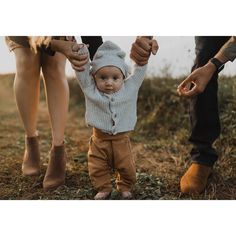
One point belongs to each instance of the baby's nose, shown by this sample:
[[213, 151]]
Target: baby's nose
[[109, 82]]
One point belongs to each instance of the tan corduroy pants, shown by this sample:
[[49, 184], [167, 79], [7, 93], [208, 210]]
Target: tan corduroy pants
[[108, 152]]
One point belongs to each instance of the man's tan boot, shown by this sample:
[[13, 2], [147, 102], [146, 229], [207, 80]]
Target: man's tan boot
[[56, 170], [194, 181], [31, 159]]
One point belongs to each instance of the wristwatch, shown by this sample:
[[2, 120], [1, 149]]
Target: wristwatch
[[218, 64]]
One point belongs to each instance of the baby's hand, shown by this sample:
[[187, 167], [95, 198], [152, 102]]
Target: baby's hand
[[81, 56]]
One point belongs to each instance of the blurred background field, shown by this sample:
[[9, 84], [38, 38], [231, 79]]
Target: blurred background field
[[160, 144]]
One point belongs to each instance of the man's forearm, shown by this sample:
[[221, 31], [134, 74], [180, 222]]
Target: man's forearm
[[228, 51]]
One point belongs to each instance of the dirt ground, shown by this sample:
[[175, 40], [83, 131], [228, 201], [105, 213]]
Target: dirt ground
[[160, 163]]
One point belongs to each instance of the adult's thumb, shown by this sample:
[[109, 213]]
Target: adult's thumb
[[155, 47]]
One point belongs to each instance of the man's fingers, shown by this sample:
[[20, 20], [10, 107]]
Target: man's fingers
[[137, 56], [190, 93], [144, 43], [140, 50], [147, 45], [187, 82], [140, 60], [185, 88], [188, 90]]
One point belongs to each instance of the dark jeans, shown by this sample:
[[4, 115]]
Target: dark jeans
[[204, 114], [94, 42]]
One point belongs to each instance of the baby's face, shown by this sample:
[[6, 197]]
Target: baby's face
[[109, 79]]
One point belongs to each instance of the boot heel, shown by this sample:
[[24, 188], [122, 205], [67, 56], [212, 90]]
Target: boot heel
[[55, 174], [31, 159]]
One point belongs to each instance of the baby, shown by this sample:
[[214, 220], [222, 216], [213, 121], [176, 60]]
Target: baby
[[111, 100]]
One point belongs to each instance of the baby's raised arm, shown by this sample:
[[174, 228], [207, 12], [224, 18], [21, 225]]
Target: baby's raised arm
[[83, 77]]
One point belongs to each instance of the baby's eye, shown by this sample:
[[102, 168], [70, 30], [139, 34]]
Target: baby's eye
[[115, 78], [103, 78]]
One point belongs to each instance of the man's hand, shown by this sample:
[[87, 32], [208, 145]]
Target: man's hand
[[197, 81], [142, 49]]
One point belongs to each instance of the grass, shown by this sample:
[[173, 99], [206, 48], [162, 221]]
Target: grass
[[159, 143]]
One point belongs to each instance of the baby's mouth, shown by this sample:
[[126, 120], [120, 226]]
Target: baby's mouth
[[109, 89]]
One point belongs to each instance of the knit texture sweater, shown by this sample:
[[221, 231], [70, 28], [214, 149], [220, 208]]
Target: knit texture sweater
[[111, 113]]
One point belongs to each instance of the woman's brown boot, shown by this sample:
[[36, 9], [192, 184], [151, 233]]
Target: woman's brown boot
[[55, 174], [31, 159]]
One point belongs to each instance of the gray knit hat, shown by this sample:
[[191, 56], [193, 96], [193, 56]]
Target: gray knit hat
[[109, 54]]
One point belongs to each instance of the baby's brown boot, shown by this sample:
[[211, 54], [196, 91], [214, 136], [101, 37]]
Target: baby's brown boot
[[194, 181], [55, 174], [102, 195], [31, 159], [126, 195]]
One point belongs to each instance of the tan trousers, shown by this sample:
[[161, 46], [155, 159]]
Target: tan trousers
[[108, 152]]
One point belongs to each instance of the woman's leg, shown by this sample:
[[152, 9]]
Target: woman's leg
[[27, 89], [57, 92]]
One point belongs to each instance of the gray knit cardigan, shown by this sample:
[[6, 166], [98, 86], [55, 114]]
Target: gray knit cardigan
[[111, 113]]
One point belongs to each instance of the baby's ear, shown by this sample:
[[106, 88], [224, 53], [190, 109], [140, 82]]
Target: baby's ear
[[121, 54]]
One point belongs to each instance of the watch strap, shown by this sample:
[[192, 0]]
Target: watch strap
[[217, 63]]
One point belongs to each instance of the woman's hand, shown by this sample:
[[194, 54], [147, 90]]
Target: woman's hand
[[70, 50]]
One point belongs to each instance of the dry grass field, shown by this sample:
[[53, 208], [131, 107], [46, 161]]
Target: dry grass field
[[160, 145]]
